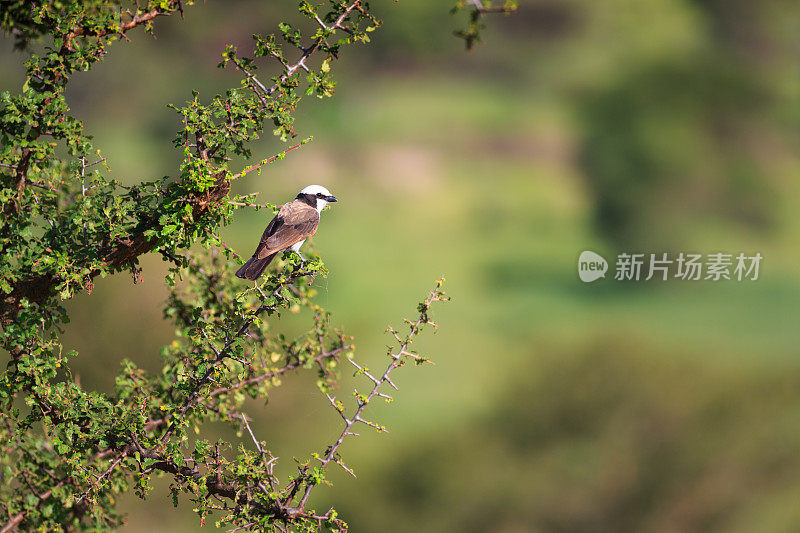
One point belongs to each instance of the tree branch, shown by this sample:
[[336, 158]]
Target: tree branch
[[398, 358], [37, 289], [136, 20]]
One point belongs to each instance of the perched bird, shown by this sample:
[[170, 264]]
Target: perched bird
[[295, 222]]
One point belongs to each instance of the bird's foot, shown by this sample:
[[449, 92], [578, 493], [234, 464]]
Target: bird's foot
[[302, 261]]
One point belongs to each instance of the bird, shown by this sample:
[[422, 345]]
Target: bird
[[295, 222]]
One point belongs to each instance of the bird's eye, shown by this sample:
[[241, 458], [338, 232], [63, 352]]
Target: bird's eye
[[320, 195]]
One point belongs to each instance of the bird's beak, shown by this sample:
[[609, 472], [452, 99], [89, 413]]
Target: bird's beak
[[331, 199]]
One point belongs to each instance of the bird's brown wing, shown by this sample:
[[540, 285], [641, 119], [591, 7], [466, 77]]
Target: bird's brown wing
[[294, 222]]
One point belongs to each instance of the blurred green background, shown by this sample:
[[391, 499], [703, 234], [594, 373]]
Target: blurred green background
[[624, 125]]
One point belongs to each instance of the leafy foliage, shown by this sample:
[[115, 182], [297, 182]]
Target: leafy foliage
[[67, 451]]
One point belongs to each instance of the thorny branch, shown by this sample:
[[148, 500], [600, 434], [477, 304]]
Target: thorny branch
[[135, 20], [289, 70], [224, 353], [270, 160], [284, 509], [398, 358], [37, 288], [162, 462], [97, 445]]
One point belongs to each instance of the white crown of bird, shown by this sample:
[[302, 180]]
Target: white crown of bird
[[316, 189]]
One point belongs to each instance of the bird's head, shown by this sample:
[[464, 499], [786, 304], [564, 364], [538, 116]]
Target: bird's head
[[316, 196]]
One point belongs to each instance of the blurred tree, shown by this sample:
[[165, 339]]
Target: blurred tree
[[609, 438], [67, 451], [682, 134], [664, 143]]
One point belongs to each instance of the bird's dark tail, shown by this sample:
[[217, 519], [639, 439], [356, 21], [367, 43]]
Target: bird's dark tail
[[254, 267]]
